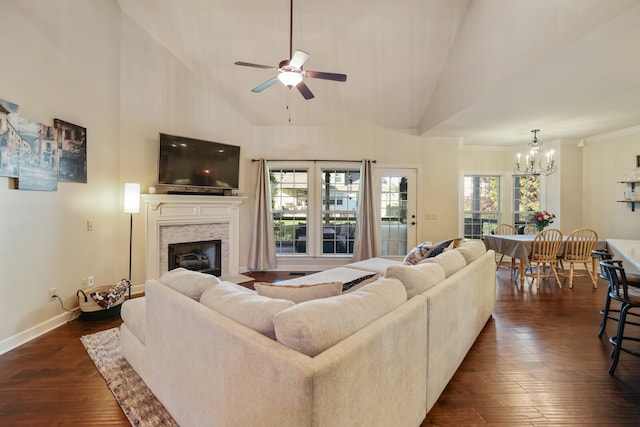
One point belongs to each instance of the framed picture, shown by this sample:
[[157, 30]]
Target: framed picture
[[638, 161]]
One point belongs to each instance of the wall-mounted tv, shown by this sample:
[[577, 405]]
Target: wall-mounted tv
[[194, 165]]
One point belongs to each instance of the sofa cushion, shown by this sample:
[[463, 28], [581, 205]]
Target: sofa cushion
[[416, 278], [314, 326], [133, 314], [417, 254], [376, 265], [471, 250], [245, 306], [450, 261], [188, 282], [299, 293]]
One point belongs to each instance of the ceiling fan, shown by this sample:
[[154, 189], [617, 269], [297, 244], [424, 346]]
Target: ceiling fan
[[290, 71]]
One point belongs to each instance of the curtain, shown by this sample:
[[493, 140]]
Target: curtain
[[262, 254], [367, 244]]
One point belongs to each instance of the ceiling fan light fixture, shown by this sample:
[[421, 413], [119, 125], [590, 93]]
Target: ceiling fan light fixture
[[290, 78]]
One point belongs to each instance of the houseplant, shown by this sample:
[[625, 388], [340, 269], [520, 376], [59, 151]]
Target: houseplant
[[542, 219]]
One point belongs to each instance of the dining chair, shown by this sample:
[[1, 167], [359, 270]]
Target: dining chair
[[505, 229], [544, 251], [578, 250], [629, 298]]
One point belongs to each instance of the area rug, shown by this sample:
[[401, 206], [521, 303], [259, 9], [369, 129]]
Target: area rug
[[138, 403]]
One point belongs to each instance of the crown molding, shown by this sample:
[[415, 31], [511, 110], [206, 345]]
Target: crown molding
[[614, 134]]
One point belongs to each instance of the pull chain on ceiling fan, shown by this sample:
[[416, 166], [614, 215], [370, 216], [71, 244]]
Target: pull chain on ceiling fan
[[290, 71]]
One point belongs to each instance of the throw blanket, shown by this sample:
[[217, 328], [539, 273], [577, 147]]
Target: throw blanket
[[106, 299]]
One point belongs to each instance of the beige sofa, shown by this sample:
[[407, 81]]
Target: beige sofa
[[370, 356]]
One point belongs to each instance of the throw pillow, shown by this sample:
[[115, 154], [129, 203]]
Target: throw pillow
[[299, 293], [354, 285], [439, 247], [416, 278], [245, 306], [418, 253], [314, 326], [189, 283]]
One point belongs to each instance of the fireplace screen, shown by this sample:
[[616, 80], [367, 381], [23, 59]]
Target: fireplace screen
[[204, 257]]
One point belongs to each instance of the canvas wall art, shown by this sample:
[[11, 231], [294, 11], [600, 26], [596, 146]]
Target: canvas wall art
[[38, 155], [9, 140], [72, 145]]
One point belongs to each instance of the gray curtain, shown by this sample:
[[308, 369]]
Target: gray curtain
[[367, 244], [263, 246]]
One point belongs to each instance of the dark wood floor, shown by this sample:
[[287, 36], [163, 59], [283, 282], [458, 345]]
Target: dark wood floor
[[538, 362]]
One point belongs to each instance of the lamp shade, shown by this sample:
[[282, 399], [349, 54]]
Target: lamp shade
[[131, 197], [290, 78]]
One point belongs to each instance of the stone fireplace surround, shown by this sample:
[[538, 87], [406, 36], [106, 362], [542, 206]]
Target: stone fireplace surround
[[173, 218]]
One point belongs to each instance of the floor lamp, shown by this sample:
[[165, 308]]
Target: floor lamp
[[131, 206]]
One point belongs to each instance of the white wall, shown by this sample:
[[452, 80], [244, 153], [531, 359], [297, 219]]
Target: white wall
[[159, 94], [60, 60], [607, 158]]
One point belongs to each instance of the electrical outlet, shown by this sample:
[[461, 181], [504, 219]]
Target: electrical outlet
[[90, 281], [52, 293], [83, 281]]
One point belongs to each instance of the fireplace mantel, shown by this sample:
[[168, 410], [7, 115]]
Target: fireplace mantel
[[218, 213]]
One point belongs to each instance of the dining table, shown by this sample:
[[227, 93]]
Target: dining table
[[519, 246]]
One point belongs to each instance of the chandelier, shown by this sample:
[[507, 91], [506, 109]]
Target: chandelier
[[545, 165]]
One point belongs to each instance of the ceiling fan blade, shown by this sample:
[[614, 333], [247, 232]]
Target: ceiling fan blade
[[299, 57], [264, 85], [326, 76], [249, 64], [304, 90]]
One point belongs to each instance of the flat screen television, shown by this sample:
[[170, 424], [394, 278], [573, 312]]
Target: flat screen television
[[194, 165]]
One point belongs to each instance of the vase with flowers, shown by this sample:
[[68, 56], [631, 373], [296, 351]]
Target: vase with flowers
[[542, 219]]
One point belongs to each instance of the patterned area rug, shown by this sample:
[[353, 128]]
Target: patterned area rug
[[136, 400]]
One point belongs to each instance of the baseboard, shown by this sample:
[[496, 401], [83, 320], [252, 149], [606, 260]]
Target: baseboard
[[137, 289], [17, 340]]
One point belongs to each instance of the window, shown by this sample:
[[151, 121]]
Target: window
[[289, 198], [526, 198], [339, 190], [481, 205], [314, 209]]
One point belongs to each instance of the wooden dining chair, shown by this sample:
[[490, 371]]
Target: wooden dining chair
[[629, 298], [505, 229], [544, 252], [578, 250]]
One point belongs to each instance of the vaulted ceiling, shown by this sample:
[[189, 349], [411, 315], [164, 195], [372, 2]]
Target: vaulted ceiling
[[483, 71]]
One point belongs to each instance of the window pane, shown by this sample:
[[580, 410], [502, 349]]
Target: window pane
[[526, 198], [289, 198], [481, 203], [339, 209], [393, 212]]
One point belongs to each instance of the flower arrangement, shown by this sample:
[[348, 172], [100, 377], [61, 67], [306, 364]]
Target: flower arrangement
[[542, 219]]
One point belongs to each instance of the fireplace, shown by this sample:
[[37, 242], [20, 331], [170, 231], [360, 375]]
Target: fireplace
[[204, 256], [182, 219]]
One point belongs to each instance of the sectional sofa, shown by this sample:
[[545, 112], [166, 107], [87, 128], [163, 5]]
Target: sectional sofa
[[377, 354]]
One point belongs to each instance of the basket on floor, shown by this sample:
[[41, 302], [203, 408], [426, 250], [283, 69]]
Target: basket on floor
[[102, 302]]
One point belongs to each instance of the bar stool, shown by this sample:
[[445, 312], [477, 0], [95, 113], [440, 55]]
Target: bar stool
[[602, 255], [629, 299]]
